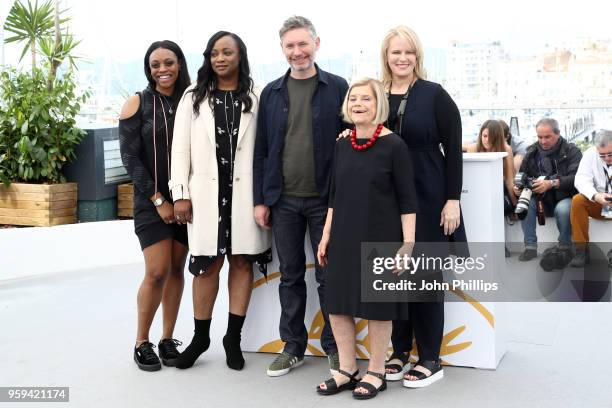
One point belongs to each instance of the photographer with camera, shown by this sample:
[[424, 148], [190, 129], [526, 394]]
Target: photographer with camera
[[594, 198], [550, 165]]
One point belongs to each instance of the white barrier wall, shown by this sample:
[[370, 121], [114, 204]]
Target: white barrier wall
[[483, 214], [34, 251]]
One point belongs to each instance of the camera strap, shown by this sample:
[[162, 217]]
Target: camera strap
[[401, 109], [608, 180]]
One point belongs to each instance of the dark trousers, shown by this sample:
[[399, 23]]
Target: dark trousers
[[290, 217], [427, 323]]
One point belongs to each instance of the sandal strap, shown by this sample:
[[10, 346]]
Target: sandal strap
[[377, 375], [331, 384], [431, 365], [403, 357], [415, 373], [348, 375], [368, 386]]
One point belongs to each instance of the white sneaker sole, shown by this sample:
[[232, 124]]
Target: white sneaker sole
[[400, 374], [425, 381], [278, 373]]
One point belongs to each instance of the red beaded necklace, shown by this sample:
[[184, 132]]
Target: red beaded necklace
[[369, 143]]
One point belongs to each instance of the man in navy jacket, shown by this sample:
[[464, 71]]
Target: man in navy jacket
[[298, 123], [556, 159]]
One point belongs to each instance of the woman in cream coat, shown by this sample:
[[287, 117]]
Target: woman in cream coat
[[211, 184]]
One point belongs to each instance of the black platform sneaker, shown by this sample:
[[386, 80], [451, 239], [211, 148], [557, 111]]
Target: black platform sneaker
[[146, 358], [168, 352]]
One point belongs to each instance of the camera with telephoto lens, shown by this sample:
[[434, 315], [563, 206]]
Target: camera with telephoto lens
[[522, 181]]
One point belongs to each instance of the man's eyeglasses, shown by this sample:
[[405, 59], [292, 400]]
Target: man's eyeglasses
[[605, 155]]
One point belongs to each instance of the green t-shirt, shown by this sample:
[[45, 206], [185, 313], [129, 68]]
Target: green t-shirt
[[298, 156]]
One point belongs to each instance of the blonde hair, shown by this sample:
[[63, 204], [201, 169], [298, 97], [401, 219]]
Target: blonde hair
[[382, 104], [407, 34]]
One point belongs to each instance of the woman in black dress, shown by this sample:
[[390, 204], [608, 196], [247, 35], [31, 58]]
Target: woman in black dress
[[427, 119], [212, 164], [372, 199], [145, 135]]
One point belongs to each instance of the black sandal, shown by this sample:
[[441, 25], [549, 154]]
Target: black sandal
[[372, 390], [423, 380], [331, 387], [399, 369]]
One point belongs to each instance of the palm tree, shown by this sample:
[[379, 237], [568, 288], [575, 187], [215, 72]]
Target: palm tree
[[29, 24], [59, 47]]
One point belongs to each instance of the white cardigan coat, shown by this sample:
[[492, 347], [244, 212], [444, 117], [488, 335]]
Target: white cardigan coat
[[194, 176]]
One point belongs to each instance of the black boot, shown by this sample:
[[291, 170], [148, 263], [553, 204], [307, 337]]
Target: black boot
[[198, 345], [231, 342]]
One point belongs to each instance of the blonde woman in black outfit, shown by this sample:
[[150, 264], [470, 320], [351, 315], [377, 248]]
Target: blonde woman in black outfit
[[145, 134], [427, 119]]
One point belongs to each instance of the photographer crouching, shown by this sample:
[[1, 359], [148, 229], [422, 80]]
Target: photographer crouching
[[549, 165]]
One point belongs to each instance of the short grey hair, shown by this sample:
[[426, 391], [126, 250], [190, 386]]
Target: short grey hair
[[294, 22], [554, 125], [382, 103], [603, 138]]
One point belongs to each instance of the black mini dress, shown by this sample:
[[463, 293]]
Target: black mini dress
[[145, 141]]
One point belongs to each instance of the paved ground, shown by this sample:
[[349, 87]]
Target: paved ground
[[76, 329]]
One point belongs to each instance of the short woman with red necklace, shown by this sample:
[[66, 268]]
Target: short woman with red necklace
[[372, 199]]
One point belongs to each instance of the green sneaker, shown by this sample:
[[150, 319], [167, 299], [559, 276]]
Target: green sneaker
[[283, 363], [334, 362]]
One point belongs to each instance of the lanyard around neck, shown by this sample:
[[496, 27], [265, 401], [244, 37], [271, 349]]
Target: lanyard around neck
[[401, 109], [608, 180]]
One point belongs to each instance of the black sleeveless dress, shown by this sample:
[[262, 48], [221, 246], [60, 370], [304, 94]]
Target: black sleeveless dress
[[145, 140]]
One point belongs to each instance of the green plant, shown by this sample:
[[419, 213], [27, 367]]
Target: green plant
[[38, 132], [56, 51], [37, 125]]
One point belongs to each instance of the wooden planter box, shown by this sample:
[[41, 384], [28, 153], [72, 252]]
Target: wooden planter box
[[41, 205], [125, 200]]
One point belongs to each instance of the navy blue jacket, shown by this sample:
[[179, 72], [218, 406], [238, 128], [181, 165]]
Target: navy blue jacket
[[272, 127]]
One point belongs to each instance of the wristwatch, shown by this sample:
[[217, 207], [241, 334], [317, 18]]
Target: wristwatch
[[159, 201]]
